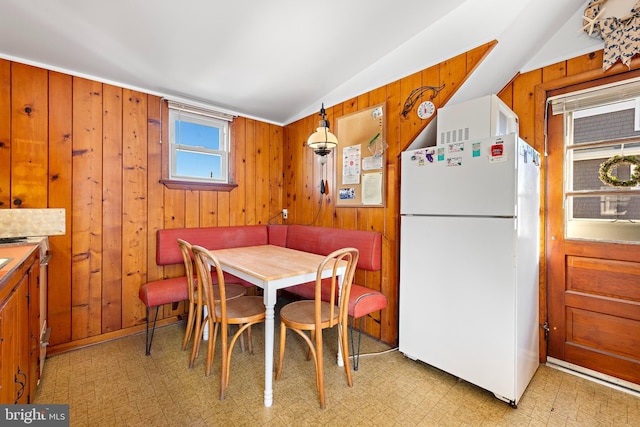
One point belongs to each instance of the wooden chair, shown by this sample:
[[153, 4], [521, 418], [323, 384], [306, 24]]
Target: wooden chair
[[243, 311], [316, 315], [196, 300]]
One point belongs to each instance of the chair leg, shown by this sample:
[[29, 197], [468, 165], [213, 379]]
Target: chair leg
[[189, 330], [312, 337], [356, 359], [149, 340], [224, 342], [211, 344], [238, 334], [344, 344], [197, 339], [283, 339], [319, 361]]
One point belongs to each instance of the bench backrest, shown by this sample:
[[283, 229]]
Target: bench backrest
[[168, 251], [324, 240], [277, 234]]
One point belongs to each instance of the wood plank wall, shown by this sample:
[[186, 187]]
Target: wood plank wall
[[303, 174], [94, 149]]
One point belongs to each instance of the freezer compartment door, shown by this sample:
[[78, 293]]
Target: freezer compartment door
[[465, 178], [457, 298]]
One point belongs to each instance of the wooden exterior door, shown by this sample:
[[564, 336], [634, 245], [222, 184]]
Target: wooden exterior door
[[593, 287]]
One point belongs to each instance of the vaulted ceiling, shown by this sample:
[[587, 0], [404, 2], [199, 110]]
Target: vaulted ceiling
[[277, 60]]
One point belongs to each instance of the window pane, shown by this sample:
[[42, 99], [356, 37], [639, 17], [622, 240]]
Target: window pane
[[197, 135], [606, 126], [607, 206], [609, 218], [595, 210], [198, 165], [586, 168]]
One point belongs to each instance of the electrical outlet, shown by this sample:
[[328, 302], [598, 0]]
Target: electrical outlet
[[285, 213]]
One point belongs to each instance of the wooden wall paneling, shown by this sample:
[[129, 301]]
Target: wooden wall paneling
[[5, 134], [303, 170], [308, 168], [327, 203], [453, 73], [288, 177], [391, 224], [238, 163], [134, 205], [588, 62], [112, 209], [408, 127], [554, 71], [87, 209], [393, 109], [29, 146], [224, 209], [430, 77], [275, 173], [80, 130], [174, 214], [192, 208], [294, 172], [60, 196], [506, 94], [262, 178], [390, 261], [523, 103], [155, 193], [209, 208], [250, 172]]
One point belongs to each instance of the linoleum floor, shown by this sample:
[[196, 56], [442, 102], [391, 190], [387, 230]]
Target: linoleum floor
[[115, 384]]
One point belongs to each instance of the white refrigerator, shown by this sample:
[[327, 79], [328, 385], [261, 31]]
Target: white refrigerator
[[469, 259]]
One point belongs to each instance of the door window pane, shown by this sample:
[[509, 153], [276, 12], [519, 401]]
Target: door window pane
[[595, 210]]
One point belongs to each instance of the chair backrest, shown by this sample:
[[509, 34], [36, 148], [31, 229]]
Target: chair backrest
[[204, 261], [336, 259], [185, 248]]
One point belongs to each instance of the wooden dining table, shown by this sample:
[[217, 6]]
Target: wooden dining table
[[271, 268]]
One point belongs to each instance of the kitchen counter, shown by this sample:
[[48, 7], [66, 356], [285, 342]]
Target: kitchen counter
[[17, 254]]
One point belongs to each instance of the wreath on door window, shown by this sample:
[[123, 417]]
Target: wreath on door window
[[613, 181], [621, 35]]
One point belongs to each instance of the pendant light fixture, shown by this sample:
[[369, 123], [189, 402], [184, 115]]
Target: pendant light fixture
[[322, 141]]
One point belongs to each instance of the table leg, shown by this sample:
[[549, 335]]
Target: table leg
[[269, 302]]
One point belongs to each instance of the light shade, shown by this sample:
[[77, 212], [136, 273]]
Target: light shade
[[322, 141]]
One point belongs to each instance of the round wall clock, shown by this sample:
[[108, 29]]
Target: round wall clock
[[426, 110]]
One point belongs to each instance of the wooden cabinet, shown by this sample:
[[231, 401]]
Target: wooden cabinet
[[19, 325]]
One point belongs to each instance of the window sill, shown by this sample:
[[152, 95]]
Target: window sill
[[195, 185]]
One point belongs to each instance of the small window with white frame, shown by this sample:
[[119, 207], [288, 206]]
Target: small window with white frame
[[198, 144]]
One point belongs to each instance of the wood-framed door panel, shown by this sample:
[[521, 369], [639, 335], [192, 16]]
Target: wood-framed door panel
[[593, 293]]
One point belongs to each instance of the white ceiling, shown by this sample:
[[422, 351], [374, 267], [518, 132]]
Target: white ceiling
[[277, 60]]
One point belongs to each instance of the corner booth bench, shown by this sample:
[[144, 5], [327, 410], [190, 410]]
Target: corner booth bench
[[318, 240]]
